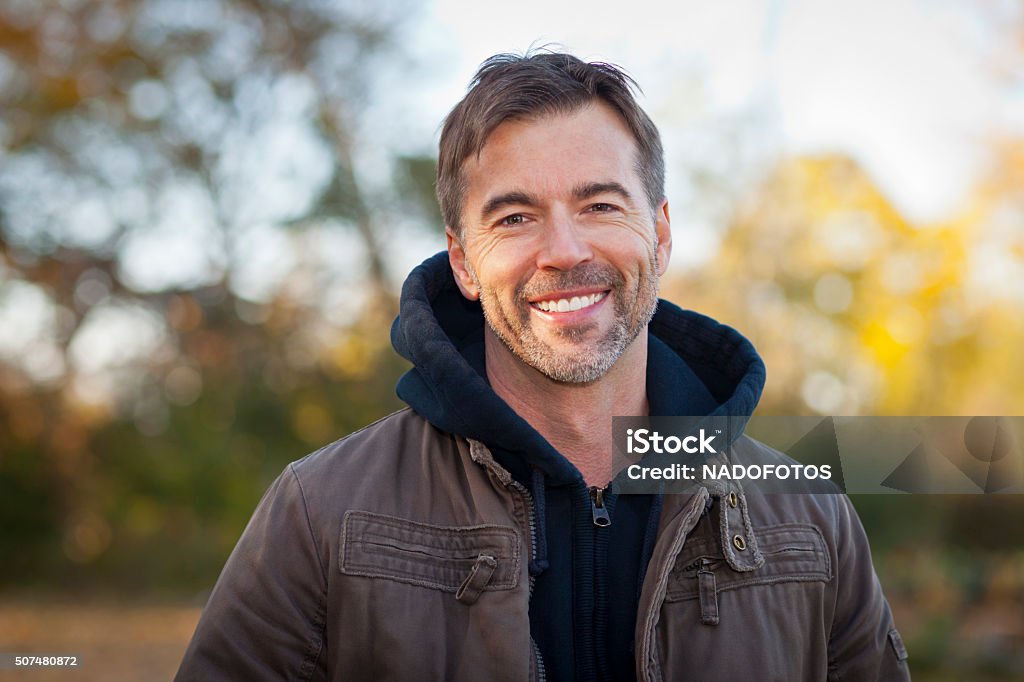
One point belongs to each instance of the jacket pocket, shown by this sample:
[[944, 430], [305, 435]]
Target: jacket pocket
[[792, 552], [474, 558]]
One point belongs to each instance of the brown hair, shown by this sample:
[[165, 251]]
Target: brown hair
[[514, 87]]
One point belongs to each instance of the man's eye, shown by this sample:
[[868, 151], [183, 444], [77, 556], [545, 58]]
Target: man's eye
[[601, 208], [514, 219]]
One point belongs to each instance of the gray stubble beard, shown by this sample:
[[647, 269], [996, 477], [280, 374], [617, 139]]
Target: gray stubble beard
[[582, 365]]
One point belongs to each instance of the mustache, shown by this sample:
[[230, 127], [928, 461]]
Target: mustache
[[585, 275]]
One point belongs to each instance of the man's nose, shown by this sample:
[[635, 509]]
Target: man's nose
[[564, 245]]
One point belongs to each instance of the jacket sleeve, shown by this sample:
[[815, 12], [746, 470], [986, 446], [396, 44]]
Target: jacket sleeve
[[864, 643], [265, 617]]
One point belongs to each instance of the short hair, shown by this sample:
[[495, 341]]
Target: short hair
[[522, 87]]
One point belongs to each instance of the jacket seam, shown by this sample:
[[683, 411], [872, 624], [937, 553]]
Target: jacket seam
[[647, 665], [309, 523], [833, 665], [316, 643], [318, 623]]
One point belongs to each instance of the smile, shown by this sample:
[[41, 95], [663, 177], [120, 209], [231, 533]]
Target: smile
[[566, 305]]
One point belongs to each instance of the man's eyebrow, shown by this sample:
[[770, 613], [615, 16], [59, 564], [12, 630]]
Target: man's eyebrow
[[588, 190], [513, 198]]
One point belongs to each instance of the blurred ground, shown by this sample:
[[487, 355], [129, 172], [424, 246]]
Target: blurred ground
[[115, 641]]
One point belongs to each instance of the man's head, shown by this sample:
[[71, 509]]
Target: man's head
[[509, 87], [550, 181]]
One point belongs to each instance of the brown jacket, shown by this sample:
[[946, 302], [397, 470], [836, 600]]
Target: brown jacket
[[401, 552]]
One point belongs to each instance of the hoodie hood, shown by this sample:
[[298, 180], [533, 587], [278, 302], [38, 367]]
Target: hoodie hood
[[441, 333]]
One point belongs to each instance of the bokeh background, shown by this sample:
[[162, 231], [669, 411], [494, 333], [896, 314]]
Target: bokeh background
[[207, 208]]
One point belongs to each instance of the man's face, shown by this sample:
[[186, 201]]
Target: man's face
[[560, 243]]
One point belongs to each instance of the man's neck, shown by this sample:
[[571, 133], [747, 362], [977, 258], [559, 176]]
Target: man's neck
[[575, 418]]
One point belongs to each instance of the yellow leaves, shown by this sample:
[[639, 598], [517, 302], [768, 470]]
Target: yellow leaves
[[882, 347], [850, 304], [352, 357], [355, 353]]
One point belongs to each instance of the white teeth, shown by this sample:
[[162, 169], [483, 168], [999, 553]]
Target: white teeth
[[564, 305]]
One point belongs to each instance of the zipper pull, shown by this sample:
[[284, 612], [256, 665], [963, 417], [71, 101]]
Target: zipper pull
[[601, 518]]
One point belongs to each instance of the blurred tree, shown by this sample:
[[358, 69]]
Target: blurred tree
[[194, 278], [858, 311], [229, 112]]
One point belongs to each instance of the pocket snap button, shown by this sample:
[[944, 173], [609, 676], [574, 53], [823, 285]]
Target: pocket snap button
[[732, 499], [739, 542]]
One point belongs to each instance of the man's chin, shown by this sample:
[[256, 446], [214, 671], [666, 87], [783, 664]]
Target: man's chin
[[568, 362]]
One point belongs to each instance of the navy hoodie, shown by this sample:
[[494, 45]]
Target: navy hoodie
[[587, 577]]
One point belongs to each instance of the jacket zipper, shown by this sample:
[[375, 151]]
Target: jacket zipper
[[600, 512], [541, 673], [528, 499]]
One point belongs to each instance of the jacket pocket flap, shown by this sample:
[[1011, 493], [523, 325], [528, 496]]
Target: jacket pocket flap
[[439, 557], [792, 552]]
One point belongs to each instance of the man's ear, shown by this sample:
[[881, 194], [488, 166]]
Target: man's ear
[[663, 233], [457, 257]]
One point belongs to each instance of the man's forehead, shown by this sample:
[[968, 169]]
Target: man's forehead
[[583, 117], [587, 146]]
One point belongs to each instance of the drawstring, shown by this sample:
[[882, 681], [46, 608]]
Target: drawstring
[[540, 558]]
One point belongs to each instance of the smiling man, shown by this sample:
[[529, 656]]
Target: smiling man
[[561, 244], [478, 535]]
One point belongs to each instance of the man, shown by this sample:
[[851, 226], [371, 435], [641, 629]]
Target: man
[[475, 536]]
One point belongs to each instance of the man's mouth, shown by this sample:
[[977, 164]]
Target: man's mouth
[[567, 305]]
